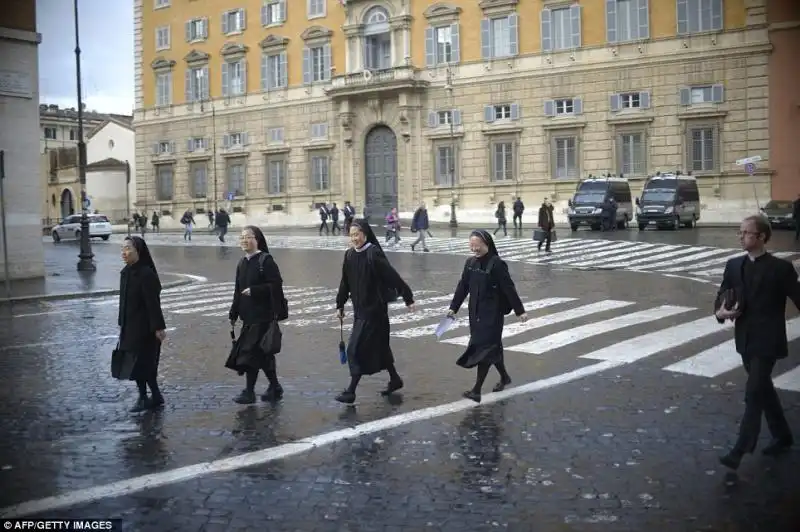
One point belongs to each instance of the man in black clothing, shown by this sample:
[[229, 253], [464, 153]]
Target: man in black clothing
[[323, 219], [335, 220], [753, 294], [518, 208], [546, 224]]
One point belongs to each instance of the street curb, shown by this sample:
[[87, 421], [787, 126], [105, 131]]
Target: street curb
[[81, 295]]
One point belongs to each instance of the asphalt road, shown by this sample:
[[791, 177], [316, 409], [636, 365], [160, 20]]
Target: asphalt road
[[620, 404]]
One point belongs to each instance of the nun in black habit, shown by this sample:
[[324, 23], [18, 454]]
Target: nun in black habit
[[141, 320], [367, 276], [492, 295], [254, 303]]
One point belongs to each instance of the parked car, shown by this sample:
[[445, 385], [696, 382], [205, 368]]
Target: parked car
[[586, 206], [779, 214], [70, 228], [669, 200]]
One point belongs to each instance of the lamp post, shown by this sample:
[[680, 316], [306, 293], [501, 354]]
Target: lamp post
[[213, 136], [85, 262], [128, 193], [449, 86]]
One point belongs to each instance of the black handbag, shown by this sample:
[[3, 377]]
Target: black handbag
[[122, 363], [271, 341]]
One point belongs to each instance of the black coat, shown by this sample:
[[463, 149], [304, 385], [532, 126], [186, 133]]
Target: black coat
[[140, 316], [486, 318], [760, 330], [546, 220]]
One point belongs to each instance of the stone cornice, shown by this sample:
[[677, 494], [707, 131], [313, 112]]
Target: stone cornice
[[442, 10], [712, 114], [162, 64], [621, 120], [275, 150], [196, 57], [498, 7], [569, 123], [232, 50], [315, 33], [274, 43], [502, 130]]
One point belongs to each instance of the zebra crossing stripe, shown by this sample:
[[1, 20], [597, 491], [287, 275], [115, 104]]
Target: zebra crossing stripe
[[608, 255], [514, 329], [705, 264], [789, 381], [647, 250], [664, 252], [604, 252], [722, 358], [576, 334], [688, 258], [416, 315], [580, 250], [649, 344]]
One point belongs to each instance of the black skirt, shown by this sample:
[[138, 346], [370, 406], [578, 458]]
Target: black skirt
[[481, 354], [146, 365], [246, 355], [368, 350]]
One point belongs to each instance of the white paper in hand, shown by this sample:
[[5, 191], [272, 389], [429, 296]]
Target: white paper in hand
[[444, 326]]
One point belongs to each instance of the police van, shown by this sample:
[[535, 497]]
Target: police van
[[586, 206], [669, 200]]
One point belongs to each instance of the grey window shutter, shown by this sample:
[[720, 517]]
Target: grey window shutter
[[644, 19], [190, 145], [514, 111], [264, 72], [225, 79], [549, 108], [326, 62], [577, 106], [188, 85], [716, 14], [455, 36], [224, 23], [685, 96], [547, 30], [456, 117], [243, 65], [205, 82], [245, 139], [206, 144], [717, 93], [575, 17], [283, 71], [188, 27], [172, 147], [644, 100], [243, 15], [513, 34], [155, 148], [264, 21], [486, 39], [205, 27], [433, 119], [614, 103], [282, 10], [226, 141], [683, 16], [488, 113], [611, 20], [306, 65], [430, 49]]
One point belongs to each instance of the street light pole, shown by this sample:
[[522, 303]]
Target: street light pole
[[449, 86], [85, 264]]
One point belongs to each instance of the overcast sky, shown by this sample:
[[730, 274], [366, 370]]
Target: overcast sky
[[106, 39]]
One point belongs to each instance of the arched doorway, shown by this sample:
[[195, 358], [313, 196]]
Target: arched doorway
[[380, 158], [67, 206]]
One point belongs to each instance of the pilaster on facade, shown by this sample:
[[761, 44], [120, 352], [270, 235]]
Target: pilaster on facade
[[756, 12], [138, 55]]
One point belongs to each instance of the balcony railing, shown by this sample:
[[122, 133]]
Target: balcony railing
[[403, 77]]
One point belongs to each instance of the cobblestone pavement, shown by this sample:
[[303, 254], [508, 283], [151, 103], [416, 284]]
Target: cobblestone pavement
[[667, 369]]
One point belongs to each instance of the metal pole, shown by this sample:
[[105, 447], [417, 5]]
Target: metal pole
[[128, 193], [453, 220], [6, 267], [85, 262], [214, 153]]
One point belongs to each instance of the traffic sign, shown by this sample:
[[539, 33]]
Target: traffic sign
[[750, 168], [749, 160], [229, 196], [87, 204]]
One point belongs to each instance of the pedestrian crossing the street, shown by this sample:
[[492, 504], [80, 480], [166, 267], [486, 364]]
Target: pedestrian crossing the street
[[618, 331], [701, 262]]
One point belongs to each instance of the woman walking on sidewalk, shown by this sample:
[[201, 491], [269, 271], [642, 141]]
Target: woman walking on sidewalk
[[141, 321], [492, 295], [371, 282], [258, 282]]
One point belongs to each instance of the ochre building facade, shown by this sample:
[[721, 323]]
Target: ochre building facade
[[271, 107]]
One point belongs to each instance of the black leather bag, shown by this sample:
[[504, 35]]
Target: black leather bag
[[122, 363], [271, 341]]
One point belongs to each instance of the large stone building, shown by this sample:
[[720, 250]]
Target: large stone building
[[19, 140], [283, 105]]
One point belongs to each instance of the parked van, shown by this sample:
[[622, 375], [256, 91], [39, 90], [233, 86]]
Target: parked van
[[669, 200], [586, 206]]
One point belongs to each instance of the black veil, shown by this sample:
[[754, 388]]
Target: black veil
[[145, 258], [487, 239], [368, 233]]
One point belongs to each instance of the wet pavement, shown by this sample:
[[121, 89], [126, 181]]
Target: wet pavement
[[617, 430]]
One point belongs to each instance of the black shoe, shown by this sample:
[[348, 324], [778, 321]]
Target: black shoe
[[469, 394], [346, 397], [500, 386], [273, 393], [731, 460], [394, 385], [412, 247], [777, 446], [157, 401], [141, 404], [247, 397], [426, 250]]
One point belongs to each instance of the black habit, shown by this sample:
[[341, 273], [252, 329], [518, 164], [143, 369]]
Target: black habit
[[760, 287], [256, 311], [486, 318], [368, 350], [140, 316]]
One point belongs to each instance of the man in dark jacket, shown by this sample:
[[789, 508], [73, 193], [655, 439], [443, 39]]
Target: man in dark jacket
[[222, 220], [335, 220], [349, 214], [546, 224], [420, 224], [518, 208], [753, 294], [323, 219]]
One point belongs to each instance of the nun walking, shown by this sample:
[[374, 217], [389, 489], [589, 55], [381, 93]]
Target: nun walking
[[258, 280], [370, 281], [141, 320], [492, 295]]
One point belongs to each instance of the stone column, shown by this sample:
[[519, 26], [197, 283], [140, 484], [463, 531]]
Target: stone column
[[756, 12]]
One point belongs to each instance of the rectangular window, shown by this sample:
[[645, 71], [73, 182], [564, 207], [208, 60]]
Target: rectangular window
[[630, 100], [164, 148], [235, 140], [565, 107], [316, 8], [502, 111], [235, 172], [275, 135], [501, 39], [445, 166], [197, 84], [562, 28], [198, 178], [444, 44], [703, 149], [233, 21], [163, 89], [276, 175], [696, 16], [164, 182], [275, 75], [320, 177], [234, 78], [627, 20], [197, 29], [378, 51], [565, 157], [502, 161], [318, 63], [162, 38], [73, 134], [701, 95], [632, 160], [444, 117], [50, 133], [160, 3], [273, 12], [197, 144], [319, 130]]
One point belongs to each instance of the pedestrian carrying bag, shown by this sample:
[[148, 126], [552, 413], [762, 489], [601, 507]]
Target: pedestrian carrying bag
[[539, 235], [389, 294], [122, 363], [271, 341], [279, 301]]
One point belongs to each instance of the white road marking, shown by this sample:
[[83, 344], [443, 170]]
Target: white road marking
[[789, 381], [82, 341]]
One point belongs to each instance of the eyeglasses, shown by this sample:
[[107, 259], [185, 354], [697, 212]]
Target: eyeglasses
[[742, 233]]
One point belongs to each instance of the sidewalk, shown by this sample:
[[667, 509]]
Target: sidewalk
[[63, 280]]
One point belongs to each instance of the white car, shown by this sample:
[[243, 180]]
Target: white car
[[70, 228]]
